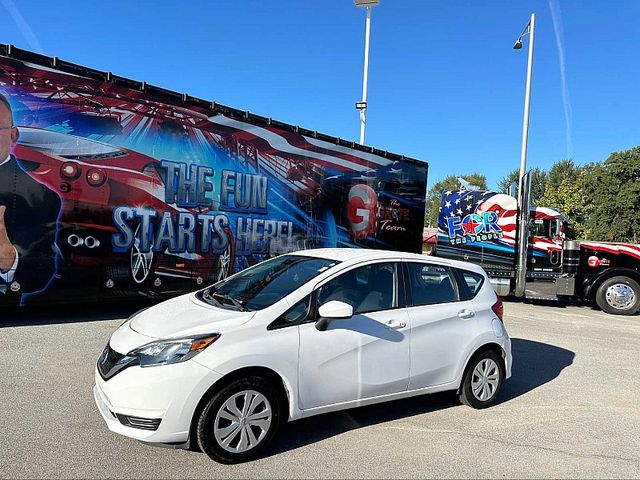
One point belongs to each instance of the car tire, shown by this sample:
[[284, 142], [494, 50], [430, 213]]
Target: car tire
[[482, 381], [619, 296], [225, 444]]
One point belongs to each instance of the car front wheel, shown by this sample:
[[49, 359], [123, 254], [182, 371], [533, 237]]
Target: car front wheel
[[239, 421], [483, 380]]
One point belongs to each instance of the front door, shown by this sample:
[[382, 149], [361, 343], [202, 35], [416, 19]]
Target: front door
[[364, 356]]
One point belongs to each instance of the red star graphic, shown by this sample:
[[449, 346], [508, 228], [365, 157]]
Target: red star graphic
[[470, 226]]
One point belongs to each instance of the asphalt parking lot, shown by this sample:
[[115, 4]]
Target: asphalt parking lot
[[571, 409]]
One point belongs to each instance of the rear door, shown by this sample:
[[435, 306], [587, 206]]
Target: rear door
[[441, 324]]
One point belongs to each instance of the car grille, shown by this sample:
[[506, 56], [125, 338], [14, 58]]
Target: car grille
[[139, 422], [111, 362]]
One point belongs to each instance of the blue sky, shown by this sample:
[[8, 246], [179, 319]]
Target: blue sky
[[445, 85]]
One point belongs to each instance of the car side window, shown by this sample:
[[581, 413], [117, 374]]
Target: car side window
[[469, 283], [295, 315], [430, 284], [367, 289]]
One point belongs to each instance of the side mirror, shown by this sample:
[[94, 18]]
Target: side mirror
[[333, 310]]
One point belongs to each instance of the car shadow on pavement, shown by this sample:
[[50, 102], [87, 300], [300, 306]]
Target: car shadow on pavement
[[535, 364], [110, 309], [314, 429]]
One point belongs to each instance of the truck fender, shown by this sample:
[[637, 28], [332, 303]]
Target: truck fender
[[591, 284]]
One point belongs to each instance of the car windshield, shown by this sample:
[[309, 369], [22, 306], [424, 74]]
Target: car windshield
[[266, 283], [66, 146]]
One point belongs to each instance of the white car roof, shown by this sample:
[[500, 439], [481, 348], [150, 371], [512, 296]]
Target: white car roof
[[355, 255]]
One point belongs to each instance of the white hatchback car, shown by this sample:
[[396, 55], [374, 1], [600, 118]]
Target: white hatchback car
[[299, 335]]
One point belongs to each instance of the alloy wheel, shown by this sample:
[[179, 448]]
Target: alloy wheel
[[223, 264], [140, 261]]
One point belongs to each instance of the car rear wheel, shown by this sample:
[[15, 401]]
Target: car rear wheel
[[239, 421], [483, 380], [619, 296]]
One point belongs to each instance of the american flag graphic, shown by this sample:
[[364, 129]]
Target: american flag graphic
[[614, 248], [461, 203]]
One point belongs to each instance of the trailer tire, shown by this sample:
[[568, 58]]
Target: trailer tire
[[619, 296]]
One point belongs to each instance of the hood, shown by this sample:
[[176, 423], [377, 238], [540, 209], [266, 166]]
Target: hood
[[630, 249], [185, 315]]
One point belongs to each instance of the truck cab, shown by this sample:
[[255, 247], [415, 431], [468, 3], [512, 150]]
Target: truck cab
[[482, 227]]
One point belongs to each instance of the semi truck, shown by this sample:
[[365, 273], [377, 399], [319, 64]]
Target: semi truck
[[116, 187], [482, 227]]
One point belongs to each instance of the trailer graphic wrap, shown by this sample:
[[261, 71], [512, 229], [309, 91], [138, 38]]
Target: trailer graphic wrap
[[161, 193]]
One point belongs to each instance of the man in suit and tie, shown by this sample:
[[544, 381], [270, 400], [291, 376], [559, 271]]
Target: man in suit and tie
[[28, 221]]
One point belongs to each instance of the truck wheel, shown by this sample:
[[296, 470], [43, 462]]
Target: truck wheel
[[240, 420], [619, 296]]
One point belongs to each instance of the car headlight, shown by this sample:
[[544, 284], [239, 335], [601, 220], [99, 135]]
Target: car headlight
[[165, 352]]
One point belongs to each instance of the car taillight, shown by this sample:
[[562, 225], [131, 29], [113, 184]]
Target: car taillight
[[498, 308], [70, 170], [96, 177]]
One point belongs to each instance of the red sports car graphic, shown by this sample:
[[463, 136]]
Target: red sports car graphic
[[92, 178]]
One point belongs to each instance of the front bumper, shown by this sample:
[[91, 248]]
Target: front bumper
[[169, 393]]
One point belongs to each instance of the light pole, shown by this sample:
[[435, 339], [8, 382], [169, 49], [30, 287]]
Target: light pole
[[362, 104], [523, 195]]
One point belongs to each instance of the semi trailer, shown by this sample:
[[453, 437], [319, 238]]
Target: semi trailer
[[153, 192]]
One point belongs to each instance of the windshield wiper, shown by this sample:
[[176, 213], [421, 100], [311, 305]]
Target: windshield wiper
[[207, 297], [238, 306]]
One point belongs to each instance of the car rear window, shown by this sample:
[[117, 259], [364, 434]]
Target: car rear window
[[430, 284], [469, 283]]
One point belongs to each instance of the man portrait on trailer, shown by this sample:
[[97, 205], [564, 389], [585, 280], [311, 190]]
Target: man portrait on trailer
[[28, 221]]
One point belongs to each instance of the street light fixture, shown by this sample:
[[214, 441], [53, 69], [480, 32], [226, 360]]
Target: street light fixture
[[523, 203], [362, 105]]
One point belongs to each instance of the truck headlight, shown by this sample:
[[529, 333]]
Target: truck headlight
[[175, 350]]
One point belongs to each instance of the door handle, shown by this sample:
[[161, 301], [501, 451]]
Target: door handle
[[395, 324], [466, 314]]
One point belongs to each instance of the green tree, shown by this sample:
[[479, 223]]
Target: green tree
[[565, 192], [508, 180], [448, 183], [613, 192], [561, 171], [538, 181]]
